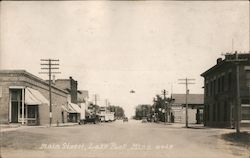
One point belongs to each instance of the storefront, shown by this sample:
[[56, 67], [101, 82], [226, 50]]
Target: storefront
[[24, 99], [74, 112], [24, 105]]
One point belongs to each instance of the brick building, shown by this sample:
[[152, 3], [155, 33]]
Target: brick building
[[70, 85], [220, 92], [24, 98]]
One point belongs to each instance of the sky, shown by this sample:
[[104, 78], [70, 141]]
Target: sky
[[111, 47]]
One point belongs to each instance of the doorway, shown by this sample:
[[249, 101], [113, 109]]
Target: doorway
[[15, 105], [14, 112]]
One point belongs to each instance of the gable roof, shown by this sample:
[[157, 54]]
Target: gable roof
[[193, 99]]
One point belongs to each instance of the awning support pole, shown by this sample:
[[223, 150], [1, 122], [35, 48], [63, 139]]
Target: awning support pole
[[22, 106]]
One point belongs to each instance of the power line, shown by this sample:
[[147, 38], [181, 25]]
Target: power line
[[47, 66], [187, 82]]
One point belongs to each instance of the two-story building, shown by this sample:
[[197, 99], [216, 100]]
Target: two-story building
[[220, 91], [70, 85]]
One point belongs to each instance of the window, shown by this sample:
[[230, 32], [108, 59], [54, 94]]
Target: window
[[225, 111], [245, 112], [206, 89], [218, 80], [207, 113], [229, 81], [245, 101], [218, 112], [214, 113], [214, 88], [223, 83], [211, 88]]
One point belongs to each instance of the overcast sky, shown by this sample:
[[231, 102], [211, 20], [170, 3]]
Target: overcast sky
[[113, 47]]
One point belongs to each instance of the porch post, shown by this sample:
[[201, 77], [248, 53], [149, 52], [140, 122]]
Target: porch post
[[22, 106], [10, 113]]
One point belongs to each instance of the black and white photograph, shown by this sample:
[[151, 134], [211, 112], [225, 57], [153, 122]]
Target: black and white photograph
[[125, 79]]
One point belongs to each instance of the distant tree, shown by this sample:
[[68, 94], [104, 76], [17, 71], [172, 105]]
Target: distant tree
[[159, 107], [119, 112], [142, 111]]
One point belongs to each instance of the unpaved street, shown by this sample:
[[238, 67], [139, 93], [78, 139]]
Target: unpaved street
[[118, 139]]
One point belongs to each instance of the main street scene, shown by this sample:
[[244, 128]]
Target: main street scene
[[124, 79]]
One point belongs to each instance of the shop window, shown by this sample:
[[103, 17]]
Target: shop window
[[245, 112]]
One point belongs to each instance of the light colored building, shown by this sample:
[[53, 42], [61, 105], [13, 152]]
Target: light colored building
[[195, 108], [83, 102], [24, 99]]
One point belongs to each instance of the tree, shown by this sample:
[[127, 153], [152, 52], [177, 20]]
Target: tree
[[119, 112], [143, 111]]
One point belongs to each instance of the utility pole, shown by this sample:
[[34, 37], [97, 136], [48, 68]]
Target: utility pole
[[48, 65], [95, 99], [237, 61], [187, 92], [106, 102], [165, 105]]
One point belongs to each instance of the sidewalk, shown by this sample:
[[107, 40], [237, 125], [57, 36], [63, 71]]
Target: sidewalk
[[183, 125], [14, 127]]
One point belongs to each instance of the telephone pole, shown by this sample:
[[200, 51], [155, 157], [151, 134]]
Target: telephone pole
[[48, 65], [187, 82], [95, 95], [236, 62], [165, 105]]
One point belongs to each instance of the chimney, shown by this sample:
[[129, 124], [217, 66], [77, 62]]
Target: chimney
[[219, 60]]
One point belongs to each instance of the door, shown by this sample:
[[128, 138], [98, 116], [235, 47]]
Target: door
[[62, 117], [14, 112]]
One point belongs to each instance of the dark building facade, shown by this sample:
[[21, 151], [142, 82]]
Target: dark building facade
[[70, 85], [220, 91]]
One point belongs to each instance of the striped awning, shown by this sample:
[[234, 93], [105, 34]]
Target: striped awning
[[34, 97], [74, 108]]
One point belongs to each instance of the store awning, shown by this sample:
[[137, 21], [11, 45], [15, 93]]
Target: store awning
[[74, 108], [34, 97]]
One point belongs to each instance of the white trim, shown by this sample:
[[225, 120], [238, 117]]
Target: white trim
[[245, 121], [16, 87], [246, 68], [245, 105], [10, 106]]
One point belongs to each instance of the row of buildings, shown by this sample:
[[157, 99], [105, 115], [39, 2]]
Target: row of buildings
[[24, 98]]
